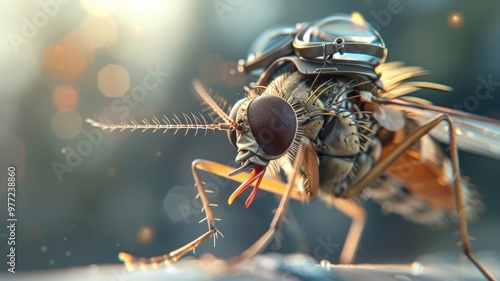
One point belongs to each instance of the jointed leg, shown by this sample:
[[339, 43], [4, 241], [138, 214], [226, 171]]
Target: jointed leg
[[459, 203], [259, 245], [358, 215], [270, 185], [132, 262], [384, 163], [274, 186], [349, 208]]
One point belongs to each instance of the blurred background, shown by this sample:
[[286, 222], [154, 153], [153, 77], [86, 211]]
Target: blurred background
[[83, 195]]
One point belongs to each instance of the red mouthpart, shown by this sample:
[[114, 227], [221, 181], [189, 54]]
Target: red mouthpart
[[256, 175]]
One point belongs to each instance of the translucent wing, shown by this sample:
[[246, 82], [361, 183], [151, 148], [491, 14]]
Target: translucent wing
[[476, 134]]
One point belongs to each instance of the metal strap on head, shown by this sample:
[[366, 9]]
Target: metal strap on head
[[336, 44], [323, 50]]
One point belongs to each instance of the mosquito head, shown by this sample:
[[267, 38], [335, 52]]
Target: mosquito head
[[266, 127], [263, 128]]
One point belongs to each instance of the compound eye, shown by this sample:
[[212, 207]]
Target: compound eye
[[273, 124]]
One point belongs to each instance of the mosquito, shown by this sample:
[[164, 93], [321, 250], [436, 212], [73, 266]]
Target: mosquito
[[333, 115]]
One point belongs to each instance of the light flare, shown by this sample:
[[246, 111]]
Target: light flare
[[455, 19], [357, 19]]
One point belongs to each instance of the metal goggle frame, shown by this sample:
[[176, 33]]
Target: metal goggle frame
[[335, 44]]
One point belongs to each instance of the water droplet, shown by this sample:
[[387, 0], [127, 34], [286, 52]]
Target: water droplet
[[52, 262], [44, 248], [158, 153], [74, 224], [325, 264], [68, 253], [117, 244], [65, 238]]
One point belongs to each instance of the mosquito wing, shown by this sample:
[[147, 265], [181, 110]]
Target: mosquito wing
[[475, 134]]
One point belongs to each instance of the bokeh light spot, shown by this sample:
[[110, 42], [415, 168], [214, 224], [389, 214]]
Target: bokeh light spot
[[65, 98], [102, 29], [214, 69], [97, 7], [357, 19], [84, 43], [111, 172], [66, 60], [211, 69], [53, 57], [66, 150], [66, 124], [455, 19], [145, 234], [176, 205], [113, 80], [230, 77]]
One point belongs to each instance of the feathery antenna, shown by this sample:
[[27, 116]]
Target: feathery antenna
[[191, 121], [205, 96]]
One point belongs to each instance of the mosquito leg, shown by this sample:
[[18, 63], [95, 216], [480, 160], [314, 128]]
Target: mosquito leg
[[349, 208], [379, 168], [358, 215], [274, 186], [132, 262], [306, 156], [271, 185], [459, 202], [264, 240]]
